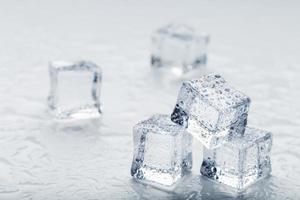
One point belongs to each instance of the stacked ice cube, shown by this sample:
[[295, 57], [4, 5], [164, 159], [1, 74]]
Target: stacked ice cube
[[162, 151], [214, 113], [211, 110], [240, 162]]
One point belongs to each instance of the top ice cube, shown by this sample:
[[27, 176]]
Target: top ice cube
[[210, 103], [178, 46], [75, 89]]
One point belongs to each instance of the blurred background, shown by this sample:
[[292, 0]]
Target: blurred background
[[255, 45]]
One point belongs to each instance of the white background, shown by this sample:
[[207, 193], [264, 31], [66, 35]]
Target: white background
[[255, 45]]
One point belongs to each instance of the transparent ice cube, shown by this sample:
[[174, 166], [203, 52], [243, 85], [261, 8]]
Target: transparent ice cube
[[180, 47], [211, 110], [162, 151], [240, 162], [75, 89]]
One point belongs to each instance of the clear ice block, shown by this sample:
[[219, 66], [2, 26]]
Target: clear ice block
[[179, 47], [75, 89], [162, 151], [211, 110], [240, 162]]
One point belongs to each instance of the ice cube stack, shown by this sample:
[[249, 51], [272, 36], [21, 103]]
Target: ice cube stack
[[214, 113]]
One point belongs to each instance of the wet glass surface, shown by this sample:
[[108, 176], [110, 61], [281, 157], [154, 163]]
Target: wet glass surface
[[253, 47]]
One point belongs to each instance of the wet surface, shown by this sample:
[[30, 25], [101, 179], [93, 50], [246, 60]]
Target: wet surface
[[252, 46]]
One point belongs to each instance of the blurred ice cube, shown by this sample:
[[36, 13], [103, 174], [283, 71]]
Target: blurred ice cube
[[75, 89], [211, 110], [179, 47], [240, 162], [162, 151]]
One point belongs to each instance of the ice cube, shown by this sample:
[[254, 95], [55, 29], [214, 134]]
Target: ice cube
[[75, 89], [162, 151], [180, 47], [240, 162], [211, 110]]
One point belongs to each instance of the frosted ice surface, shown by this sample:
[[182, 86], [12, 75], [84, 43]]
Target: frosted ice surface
[[240, 162], [75, 89], [162, 151], [211, 110], [178, 46]]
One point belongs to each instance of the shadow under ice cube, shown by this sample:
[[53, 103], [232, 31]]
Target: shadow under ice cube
[[240, 162], [179, 47], [211, 110], [75, 89], [162, 151]]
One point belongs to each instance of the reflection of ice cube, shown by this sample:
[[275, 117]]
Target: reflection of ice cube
[[211, 110], [240, 162], [162, 151], [180, 47], [75, 89]]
